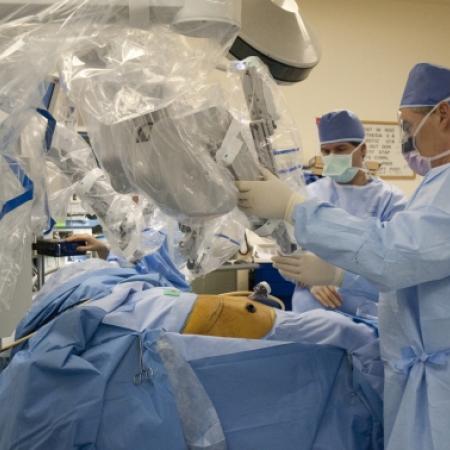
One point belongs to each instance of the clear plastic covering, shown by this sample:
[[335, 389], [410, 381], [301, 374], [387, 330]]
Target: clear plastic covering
[[186, 156], [201, 424], [16, 194], [257, 104], [122, 72], [29, 48], [30, 152], [169, 160], [59, 189], [60, 277], [125, 81], [138, 78], [207, 247], [123, 219]]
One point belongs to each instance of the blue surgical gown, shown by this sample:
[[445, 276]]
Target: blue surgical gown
[[376, 199], [408, 258]]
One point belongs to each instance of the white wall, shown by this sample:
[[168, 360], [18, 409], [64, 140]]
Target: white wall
[[368, 47]]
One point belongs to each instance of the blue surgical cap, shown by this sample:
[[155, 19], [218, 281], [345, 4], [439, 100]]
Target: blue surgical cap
[[427, 85], [340, 126]]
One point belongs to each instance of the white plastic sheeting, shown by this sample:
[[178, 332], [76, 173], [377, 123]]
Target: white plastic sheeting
[[137, 76]]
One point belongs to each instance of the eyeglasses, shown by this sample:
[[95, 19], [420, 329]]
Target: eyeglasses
[[406, 136]]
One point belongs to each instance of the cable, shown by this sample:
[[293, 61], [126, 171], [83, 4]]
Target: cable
[[247, 293]]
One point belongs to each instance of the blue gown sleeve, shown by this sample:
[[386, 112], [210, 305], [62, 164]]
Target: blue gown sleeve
[[358, 285], [410, 249], [396, 203]]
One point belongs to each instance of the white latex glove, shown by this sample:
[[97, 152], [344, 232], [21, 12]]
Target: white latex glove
[[270, 198], [308, 269], [327, 296]]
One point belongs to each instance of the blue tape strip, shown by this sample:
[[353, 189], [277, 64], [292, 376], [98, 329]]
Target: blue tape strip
[[51, 221], [290, 169], [286, 151], [50, 127], [26, 183], [228, 239], [49, 133]]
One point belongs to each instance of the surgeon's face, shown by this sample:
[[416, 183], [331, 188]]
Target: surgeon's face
[[345, 148], [425, 136]]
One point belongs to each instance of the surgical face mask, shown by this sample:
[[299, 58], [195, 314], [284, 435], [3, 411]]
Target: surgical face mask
[[422, 164], [340, 167], [418, 163]]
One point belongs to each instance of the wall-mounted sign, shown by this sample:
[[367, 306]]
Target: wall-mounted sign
[[383, 142]]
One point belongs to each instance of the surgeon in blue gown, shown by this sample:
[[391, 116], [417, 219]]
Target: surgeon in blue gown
[[408, 258], [347, 185]]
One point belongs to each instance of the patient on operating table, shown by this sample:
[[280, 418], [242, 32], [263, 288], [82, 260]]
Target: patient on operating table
[[182, 311], [95, 335]]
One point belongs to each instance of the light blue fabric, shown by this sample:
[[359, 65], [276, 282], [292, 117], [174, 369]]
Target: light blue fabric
[[321, 327], [409, 259], [4, 361], [153, 270], [158, 263], [137, 303], [340, 126], [73, 385], [157, 308], [427, 85], [337, 329], [282, 404], [377, 200], [74, 389]]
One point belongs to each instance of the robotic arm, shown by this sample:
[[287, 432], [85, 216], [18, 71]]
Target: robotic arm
[[133, 69]]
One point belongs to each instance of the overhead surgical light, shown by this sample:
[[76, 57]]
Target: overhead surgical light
[[275, 31]]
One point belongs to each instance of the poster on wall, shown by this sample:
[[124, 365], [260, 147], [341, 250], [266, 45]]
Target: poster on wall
[[383, 142]]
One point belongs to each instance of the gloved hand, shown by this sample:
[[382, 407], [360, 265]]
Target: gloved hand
[[327, 296], [91, 244], [308, 269], [270, 198]]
